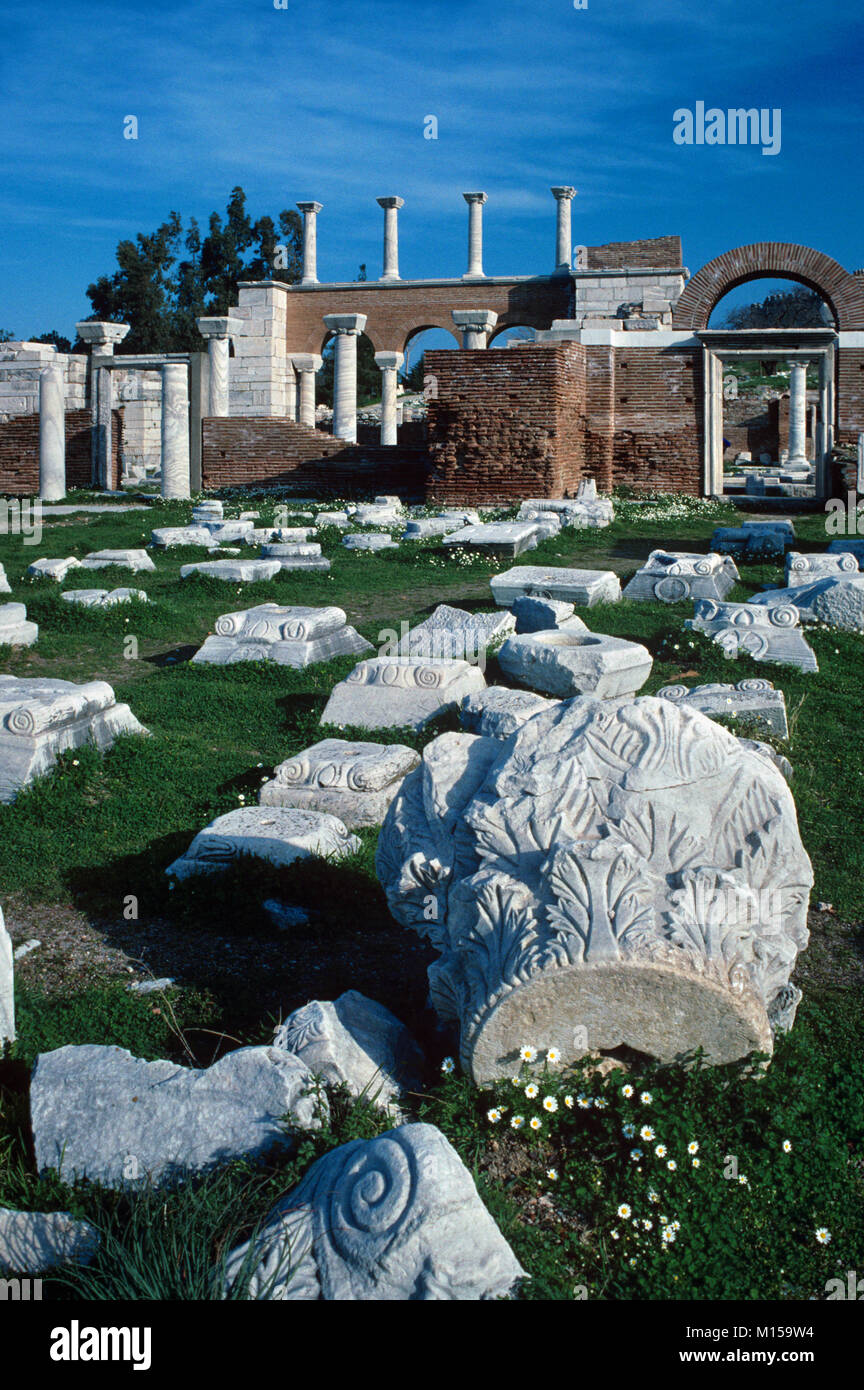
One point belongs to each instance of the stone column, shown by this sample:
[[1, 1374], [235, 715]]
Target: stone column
[[564, 195], [798, 414], [475, 203], [306, 364], [347, 328], [389, 362], [52, 435], [218, 332], [175, 430], [291, 392], [102, 337], [310, 213], [475, 325], [391, 208]]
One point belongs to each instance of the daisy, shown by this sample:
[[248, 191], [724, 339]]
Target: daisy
[[552, 1174], [550, 1104], [696, 1162], [668, 1235], [517, 1122], [787, 1146], [743, 1179], [635, 1154], [660, 1151], [647, 1225], [448, 1065], [528, 1054], [568, 1101], [627, 1092], [515, 1080], [494, 1115], [600, 1103], [584, 1102], [823, 1236], [646, 1133], [628, 1131], [614, 1235], [633, 1262], [623, 1212], [671, 1165], [535, 1124], [647, 1098], [553, 1055], [653, 1196], [532, 1091], [692, 1147]]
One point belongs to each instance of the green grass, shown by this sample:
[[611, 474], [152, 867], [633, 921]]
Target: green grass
[[100, 830]]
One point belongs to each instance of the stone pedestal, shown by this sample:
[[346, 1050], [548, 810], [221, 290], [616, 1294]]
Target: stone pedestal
[[475, 203], [52, 435], [475, 325], [310, 213], [292, 636], [389, 692], [218, 332], [389, 363], [347, 328], [391, 208], [564, 195], [15, 629], [354, 781], [175, 430]]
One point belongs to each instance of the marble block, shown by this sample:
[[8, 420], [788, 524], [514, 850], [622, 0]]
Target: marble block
[[15, 630], [497, 712], [100, 1113], [765, 633], [850, 545], [378, 516], [570, 660], [617, 873], [369, 542], [753, 541], [208, 511], [752, 701], [392, 1219], [33, 1241], [456, 634], [281, 535], [41, 718], [354, 781], [424, 528], [539, 614], [276, 834], [806, 569], [333, 519], [505, 538], [165, 537], [804, 596], [583, 511], [104, 598], [397, 691], [584, 588], [672, 576], [135, 560], [7, 986], [53, 569], [227, 531], [234, 571], [290, 636], [467, 516], [5, 586]]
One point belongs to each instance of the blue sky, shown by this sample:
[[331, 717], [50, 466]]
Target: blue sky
[[327, 100]]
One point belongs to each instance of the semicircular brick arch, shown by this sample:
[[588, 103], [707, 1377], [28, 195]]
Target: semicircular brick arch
[[843, 292]]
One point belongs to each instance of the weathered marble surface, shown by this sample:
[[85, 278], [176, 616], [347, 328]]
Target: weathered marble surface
[[804, 596], [584, 588], [754, 540], [291, 636], [227, 531], [165, 537], [767, 633], [455, 634], [354, 781], [53, 569], [33, 1241], [497, 712], [357, 1043], [586, 509], [428, 526], [211, 510], [392, 1219], [15, 628], [100, 1113], [7, 986], [277, 834], [397, 691], [751, 701], [369, 541], [540, 614], [804, 568], [41, 718], [234, 571], [505, 538], [849, 545], [617, 873], [571, 660], [672, 576], [135, 560], [5, 586], [104, 598]]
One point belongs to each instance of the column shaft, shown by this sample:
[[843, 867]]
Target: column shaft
[[175, 430], [218, 350], [307, 398], [345, 388], [798, 413], [52, 435]]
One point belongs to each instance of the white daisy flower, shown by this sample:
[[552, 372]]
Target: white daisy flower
[[584, 1102], [623, 1211], [646, 1133], [552, 1174], [550, 1104], [528, 1054], [671, 1165], [535, 1124], [448, 1065], [553, 1055], [627, 1092], [493, 1115], [787, 1146], [660, 1151], [697, 1162], [568, 1101], [823, 1235], [647, 1098], [692, 1147], [628, 1131], [532, 1090], [517, 1122]]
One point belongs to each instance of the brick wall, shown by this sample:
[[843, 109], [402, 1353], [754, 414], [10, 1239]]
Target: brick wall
[[658, 419], [19, 452], [506, 424], [636, 255], [751, 426], [850, 394], [261, 451]]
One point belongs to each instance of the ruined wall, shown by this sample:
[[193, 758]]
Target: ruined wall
[[658, 419], [850, 394], [245, 451], [19, 452], [20, 365]]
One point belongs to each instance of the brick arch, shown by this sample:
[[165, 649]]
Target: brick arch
[[505, 328], [843, 292], [442, 327]]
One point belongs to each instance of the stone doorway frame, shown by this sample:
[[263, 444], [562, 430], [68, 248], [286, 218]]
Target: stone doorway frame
[[721, 345]]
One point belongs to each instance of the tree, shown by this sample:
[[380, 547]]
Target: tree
[[7, 336], [798, 308], [160, 292], [62, 344]]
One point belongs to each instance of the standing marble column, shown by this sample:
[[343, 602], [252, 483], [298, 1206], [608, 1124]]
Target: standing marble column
[[310, 213], [391, 208], [347, 328], [306, 364], [52, 435], [218, 332], [475, 325], [475, 203], [564, 195], [102, 337], [175, 430], [798, 414], [389, 362]]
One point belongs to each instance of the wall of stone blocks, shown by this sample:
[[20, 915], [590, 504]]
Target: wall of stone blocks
[[140, 394], [20, 365], [19, 452]]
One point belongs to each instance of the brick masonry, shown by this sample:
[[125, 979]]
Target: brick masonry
[[19, 452]]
